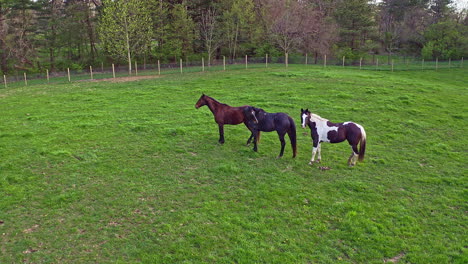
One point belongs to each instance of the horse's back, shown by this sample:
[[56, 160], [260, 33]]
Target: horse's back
[[283, 121], [231, 115]]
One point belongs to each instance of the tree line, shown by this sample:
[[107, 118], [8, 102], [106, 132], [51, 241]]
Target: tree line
[[59, 34]]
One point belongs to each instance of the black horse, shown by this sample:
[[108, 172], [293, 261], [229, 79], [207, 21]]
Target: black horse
[[258, 120]]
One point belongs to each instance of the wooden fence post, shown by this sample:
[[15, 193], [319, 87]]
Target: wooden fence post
[[91, 71], [377, 64], [113, 71], [325, 61], [450, 63], [392, 65], [437, 63], [461, 65], [224, 62], [136, 68], [159, 68], [25, 79], [4, 80], [246, 61], [306, 59], [360, 63], [266, 60], [102, 66], [203, 64], [47, 74], [286, 59], [343, 60], [68, 72], [180, 65]]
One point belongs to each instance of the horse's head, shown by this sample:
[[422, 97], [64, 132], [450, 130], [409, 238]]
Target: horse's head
[[250, 114], [201, 102], [305, 117]]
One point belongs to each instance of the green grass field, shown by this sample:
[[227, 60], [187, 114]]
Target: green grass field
[[100, 172]]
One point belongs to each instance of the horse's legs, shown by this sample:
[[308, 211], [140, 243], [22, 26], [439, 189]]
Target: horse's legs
[[254, 135], [319, 153], [221, 134], [283, 143], [354, 155], [314, 151], [250, 139], [315, 148]]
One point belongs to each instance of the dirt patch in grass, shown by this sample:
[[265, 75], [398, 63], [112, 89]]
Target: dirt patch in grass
[[126, 79], [395, 259]]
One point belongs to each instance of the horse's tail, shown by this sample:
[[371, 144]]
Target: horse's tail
[[362, 145], [292, 135]]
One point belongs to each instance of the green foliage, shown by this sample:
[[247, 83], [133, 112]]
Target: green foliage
[[179, 43], [446, 40], [349, 54], [125, 28], [131, 172], [237, 22], [357, 24], [268, 49]]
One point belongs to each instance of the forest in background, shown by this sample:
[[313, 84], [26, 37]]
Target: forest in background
[[60, 34]]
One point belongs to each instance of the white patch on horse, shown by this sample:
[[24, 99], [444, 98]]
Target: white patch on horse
[[304, 118], [322, 127], [323, 130], [362, 130]]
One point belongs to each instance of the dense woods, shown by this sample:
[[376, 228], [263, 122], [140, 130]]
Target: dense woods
[[56, 34]]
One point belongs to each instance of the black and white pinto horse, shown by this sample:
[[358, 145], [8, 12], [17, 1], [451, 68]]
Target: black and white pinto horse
[[323, 130]]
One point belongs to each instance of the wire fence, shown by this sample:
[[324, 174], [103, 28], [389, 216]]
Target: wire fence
[[94, 73]]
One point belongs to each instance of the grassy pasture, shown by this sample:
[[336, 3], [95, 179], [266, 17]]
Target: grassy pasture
[[132, 172]]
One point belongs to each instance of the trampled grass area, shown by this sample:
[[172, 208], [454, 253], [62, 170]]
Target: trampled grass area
[[132, 172]]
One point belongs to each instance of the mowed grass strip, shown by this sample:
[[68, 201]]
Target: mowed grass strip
[[132, 172]]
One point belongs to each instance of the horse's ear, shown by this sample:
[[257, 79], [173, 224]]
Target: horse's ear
[[307, 110], [302, 110]]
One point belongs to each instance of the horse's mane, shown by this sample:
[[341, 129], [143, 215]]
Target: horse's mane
[[216, 101], [317, 117]]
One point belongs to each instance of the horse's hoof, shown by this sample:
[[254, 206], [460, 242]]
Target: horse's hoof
[[279, 157], [311, 163]]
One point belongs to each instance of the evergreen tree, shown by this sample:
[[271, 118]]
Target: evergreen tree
[[357, 26], [182, 33]]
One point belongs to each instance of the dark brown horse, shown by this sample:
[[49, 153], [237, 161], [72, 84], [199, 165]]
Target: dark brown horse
[[323, 130], [223, 114], [258, 120]]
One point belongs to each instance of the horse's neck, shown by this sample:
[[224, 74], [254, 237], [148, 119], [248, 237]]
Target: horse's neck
[[213, 105], [320, 121]]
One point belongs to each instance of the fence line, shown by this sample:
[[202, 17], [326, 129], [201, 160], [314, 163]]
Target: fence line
[[393, 64]]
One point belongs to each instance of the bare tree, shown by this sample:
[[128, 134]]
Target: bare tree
[[298, 25], [285, 22], [21, 26], [320, 33], [4, 10]]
